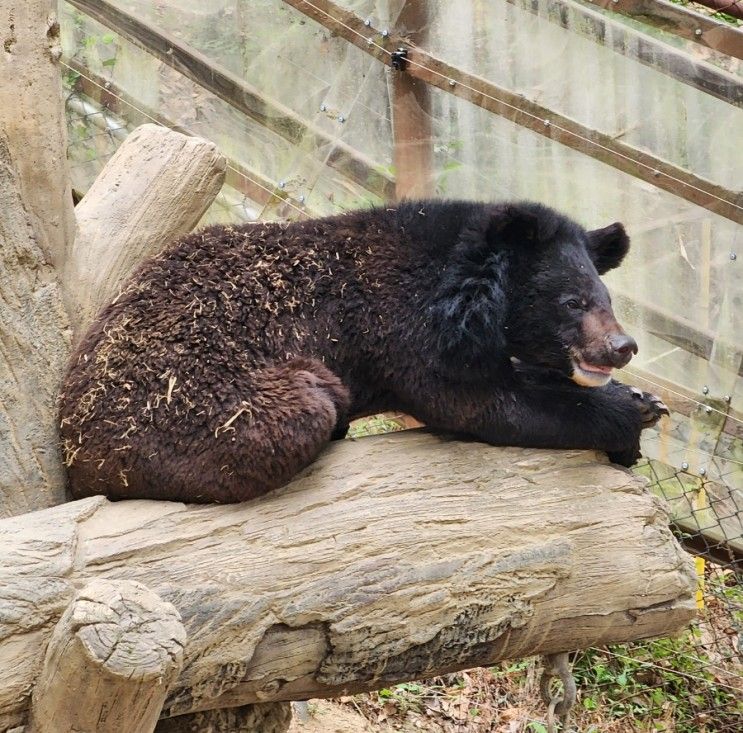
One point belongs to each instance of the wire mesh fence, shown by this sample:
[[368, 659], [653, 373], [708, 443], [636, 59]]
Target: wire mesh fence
[[323, 141]]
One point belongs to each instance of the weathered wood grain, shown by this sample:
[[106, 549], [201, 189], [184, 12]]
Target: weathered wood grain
[[390, 558], [34, 347], [32, 120], [154, 189], [270, 717], [110, 661]]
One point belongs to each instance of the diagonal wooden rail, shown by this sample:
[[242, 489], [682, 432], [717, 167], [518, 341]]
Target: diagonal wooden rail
[[229, 87], [239, 176], [526, 113], [681, 21], [634, 44]]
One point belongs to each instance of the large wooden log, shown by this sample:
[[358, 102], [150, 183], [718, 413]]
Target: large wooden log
[[154, 189], [110, 662], [390, 558], [36, 229], [32, 119], [34, 347]]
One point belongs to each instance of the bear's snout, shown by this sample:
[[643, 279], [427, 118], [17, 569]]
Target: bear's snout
[[620, 349]]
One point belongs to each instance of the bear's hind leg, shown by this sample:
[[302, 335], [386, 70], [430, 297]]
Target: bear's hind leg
[[291, 413]]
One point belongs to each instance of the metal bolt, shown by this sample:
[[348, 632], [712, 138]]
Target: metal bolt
[[385, 33], [282, 184], [367, 22], [323, 108], [452, 82], [685, 466], [656, 174], [705, 389], [702, 471], [727, 398], [733, 256], [547, 123], [369, 41], [300, 198], [341, 118], [708, 410], [698, 32]]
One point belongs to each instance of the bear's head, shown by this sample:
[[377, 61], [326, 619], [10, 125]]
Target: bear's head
[[523, 281]]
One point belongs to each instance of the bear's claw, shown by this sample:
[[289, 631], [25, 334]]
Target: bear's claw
[[651, 407]]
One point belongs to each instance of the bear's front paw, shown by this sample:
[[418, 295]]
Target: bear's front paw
[[626, 458], [651, 407]]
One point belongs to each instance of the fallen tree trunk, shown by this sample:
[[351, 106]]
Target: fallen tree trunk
[[390, 558]]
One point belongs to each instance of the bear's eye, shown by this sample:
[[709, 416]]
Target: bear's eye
[[574, 304]]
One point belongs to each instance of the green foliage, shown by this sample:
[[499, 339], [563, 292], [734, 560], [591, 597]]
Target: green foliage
[[662, 679], [374, 425]]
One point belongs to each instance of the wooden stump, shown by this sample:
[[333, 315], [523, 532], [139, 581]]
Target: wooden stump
[[110, 661]]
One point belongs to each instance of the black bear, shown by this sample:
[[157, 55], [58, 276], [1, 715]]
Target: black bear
[[230, 359]]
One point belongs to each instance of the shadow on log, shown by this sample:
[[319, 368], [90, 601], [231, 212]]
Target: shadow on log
[[391, 558]]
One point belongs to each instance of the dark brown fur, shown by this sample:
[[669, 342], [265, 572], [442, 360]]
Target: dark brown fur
[[230, 359]]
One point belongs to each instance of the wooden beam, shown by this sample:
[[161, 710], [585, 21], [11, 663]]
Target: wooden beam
[[240, 95], [682, 21], [632, 43], [393, 557], [526, 113], [411, 115], [37, 226]]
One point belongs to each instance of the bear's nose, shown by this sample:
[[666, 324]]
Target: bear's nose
[[621, 348]]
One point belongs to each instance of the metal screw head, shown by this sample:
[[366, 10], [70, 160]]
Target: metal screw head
[[367, 22], [547, 123], [452, 82], [705, 389], [733, 256], [300, 198], [685, 466], [656, 174], [727, 398], [702, 471], [341, 119], [708, 410], [698, 32], [385, 33], [323, 108], [282, 184]]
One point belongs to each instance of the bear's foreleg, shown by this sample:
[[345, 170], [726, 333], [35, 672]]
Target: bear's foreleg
[[551, 413]]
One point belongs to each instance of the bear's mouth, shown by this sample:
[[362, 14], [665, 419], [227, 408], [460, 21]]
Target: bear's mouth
[[590, 375]]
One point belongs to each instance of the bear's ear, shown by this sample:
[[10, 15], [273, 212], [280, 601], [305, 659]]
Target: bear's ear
[[513, 225], [607, 247]]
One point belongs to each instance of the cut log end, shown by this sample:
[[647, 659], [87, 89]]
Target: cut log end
[[110, 661]]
